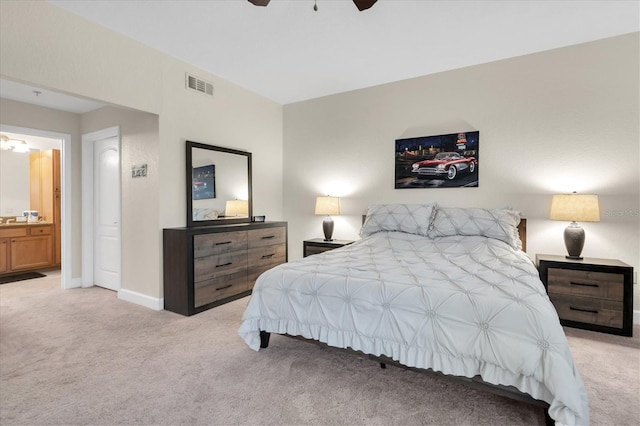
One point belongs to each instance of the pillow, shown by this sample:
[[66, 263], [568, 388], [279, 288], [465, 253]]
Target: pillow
[[500, 224], [409, 218]]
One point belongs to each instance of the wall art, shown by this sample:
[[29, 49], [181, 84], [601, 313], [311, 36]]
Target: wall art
[[441, 161]]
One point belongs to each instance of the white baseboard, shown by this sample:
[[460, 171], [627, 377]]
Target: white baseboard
[[157, 304]]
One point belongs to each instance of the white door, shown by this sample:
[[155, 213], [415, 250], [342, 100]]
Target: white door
[[106, 213]]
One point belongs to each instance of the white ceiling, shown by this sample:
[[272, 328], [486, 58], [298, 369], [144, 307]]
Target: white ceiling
[[289, 53]]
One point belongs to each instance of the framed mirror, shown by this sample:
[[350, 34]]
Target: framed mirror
[[218, 185]]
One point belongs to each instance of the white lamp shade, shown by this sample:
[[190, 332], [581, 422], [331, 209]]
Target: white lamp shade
[[328, 205], [237, 208], [575, 208]]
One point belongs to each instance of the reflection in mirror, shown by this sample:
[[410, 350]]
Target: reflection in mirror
[[219, 185]]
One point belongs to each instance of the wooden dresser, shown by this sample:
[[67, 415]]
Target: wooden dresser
[[594, 294], [207, 266]]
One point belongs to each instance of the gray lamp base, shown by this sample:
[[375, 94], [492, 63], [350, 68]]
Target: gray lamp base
[[574, 241], [327, 228]]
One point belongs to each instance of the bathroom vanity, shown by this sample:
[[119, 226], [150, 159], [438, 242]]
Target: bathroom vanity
[[26, 247]]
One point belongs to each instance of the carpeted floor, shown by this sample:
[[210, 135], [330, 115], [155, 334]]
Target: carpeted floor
[[84, 357]]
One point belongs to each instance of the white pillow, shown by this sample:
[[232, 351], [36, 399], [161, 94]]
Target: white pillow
[[409, 218], [500, 224]]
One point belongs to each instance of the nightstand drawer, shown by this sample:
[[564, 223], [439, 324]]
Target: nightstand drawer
[[309, 250], [586, 283], [589, 310]]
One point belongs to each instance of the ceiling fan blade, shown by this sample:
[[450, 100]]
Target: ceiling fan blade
[[364, 4], [259, 2]]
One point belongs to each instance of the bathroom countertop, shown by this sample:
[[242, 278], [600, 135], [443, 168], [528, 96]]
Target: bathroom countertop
[[25, 223]]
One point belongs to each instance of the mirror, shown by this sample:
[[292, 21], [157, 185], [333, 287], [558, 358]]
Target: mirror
[[218, 185]]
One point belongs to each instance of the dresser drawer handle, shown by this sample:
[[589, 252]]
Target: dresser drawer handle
[[226, 242], [224, 264], [591, 311], [268, 237], [267, 256], [584, 284], [222, 288]]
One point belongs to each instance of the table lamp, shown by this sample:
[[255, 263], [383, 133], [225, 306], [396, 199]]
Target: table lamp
[[327, 206], [575, 208], [236, 208]]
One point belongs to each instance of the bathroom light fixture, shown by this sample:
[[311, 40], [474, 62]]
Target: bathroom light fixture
[[327, 206], [17, 145], [20, 146], [575, 208]]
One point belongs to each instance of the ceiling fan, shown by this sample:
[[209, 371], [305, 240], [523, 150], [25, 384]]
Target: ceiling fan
[[360, 4]]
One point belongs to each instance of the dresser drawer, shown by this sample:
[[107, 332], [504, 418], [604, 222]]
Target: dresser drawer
[[209, 267], [223, 242], [266, 236], [586, 283], [608, 313], [261, 256], [219, 288], [254, 273]]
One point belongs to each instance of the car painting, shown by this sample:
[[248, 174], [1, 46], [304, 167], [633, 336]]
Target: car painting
[[441, 161], [445, 164]]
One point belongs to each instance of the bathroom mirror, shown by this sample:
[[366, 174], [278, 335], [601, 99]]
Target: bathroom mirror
[[218, 185]]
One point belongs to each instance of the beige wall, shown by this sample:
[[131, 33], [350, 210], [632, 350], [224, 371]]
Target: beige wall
[[552, 122], [140, 228], [48, 47]]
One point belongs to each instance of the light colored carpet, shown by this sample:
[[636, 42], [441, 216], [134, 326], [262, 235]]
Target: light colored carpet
[[84, 357]]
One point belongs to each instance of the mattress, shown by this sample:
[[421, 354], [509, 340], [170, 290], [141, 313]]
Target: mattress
[[461, 305]]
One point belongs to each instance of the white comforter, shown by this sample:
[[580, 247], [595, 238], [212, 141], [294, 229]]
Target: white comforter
[[460, 305]]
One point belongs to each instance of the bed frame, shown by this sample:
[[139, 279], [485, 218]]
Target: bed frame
[[473, 382]]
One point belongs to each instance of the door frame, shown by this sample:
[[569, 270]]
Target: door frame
[[66, 264], [87, 200]]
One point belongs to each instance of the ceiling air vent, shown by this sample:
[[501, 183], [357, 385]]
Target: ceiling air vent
[[199, 85]]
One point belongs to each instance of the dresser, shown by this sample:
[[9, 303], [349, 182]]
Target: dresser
[[594, 294], [211, 265]]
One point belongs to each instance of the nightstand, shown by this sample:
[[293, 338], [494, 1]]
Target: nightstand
[[319, 245], [594, 294]]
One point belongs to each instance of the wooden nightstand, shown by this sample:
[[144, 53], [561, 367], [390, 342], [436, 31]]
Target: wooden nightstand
[[319, 245], [594, 294]]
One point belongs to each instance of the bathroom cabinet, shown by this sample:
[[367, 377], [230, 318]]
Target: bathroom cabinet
[[25, 247]]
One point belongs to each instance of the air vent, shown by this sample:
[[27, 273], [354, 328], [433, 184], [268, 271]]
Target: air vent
[[199, 85]]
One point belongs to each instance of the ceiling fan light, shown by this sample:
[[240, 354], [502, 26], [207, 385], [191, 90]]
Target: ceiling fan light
[[259, 2], [364, 4]]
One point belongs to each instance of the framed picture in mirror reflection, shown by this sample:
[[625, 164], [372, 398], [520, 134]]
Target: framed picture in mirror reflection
[[203, 182]]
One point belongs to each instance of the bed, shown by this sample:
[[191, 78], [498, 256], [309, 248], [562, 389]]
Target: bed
[[429, 287]]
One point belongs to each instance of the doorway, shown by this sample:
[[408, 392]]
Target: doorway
[[65, 208], [101, 228]]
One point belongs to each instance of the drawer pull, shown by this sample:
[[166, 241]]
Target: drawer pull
[[268, 237], [222, 288], [224, 264], [223, 243], [591, 311], [584, 284], [267, 256]]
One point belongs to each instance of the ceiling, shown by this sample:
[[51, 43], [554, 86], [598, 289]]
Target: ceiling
[[289, 53]]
